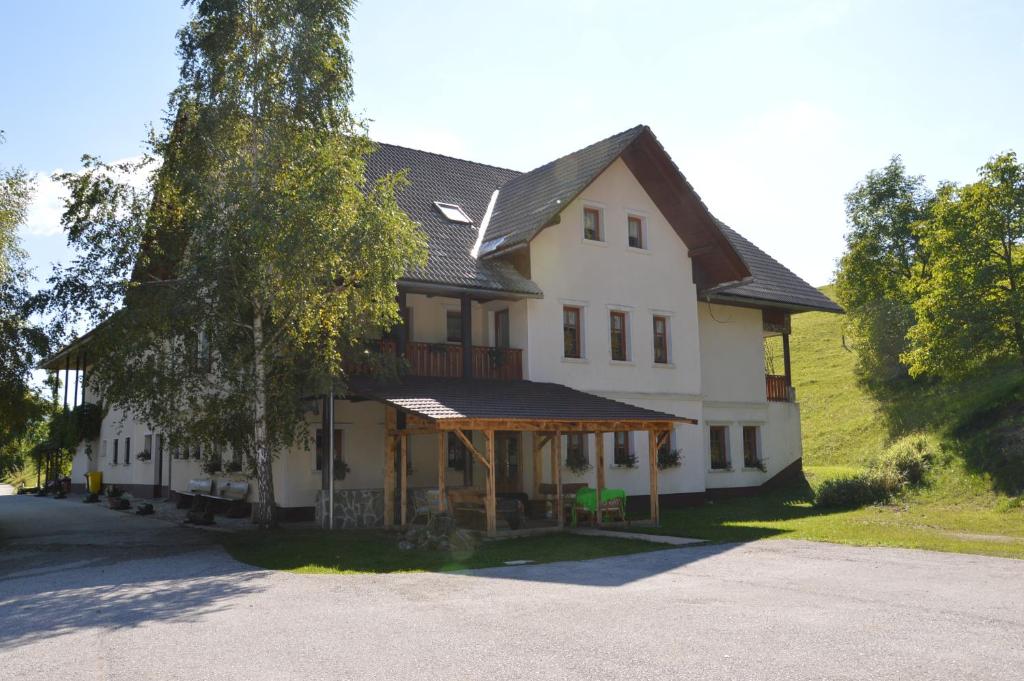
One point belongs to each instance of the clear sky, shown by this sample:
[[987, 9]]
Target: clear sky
[[773, 110]]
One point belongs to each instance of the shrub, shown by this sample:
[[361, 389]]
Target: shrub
[[860, 489], [908, 459]]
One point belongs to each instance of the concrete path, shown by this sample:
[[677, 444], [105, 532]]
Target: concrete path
[[89, 593], [653, 538]]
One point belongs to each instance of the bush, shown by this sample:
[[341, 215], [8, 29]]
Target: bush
[[908, 459], [860, 489]]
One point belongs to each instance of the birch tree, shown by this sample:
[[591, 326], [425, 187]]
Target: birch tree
[[256, 259]]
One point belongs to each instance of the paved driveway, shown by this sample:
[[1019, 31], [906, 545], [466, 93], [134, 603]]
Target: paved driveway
[[90, 593]]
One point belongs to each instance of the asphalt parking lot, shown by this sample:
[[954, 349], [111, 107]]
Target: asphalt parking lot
[[89, 593]]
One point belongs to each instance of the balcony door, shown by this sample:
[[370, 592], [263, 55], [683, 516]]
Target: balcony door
[[501, 330], [508, 462]]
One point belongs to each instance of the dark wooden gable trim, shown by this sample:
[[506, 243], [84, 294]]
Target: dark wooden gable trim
[[715, 260]]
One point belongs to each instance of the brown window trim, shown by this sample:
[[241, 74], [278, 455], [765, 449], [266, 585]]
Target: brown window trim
[[613, 315], [660, 340], [578, 333], [641, 236], [750, 437], [724, 464], [447, 321], [599, 231]]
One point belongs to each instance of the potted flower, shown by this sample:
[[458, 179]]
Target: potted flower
[[669, 458], [144, 455]]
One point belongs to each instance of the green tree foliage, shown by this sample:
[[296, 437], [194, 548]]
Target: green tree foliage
[[970, 309], [256, 259], [883, 254], [21, 341]]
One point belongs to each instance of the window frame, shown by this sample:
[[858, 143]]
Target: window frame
[[598, 212], [583, 440], [642, 221], [127, 451], [726, 459], [502, 314], [665, 336], [115, 452], [318, 444], [449, 313], [624, 316], [758, 460], [578, 309], [627, 444]]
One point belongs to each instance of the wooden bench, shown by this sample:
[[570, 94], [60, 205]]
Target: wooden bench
[[474, 501]]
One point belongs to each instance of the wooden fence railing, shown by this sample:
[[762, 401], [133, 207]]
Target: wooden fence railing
[[778, 390], [444, 360]]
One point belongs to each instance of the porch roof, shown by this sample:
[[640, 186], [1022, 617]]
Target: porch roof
[[452, 403]]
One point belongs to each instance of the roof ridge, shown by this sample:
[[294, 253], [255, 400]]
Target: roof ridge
[[635, 129], [447, 156]]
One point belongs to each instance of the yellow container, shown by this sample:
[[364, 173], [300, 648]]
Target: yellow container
[[94, 481]]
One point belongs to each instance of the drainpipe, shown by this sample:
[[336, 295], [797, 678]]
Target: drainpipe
[[330, 449]]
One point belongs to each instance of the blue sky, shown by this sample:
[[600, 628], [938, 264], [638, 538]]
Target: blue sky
[[773, 110]]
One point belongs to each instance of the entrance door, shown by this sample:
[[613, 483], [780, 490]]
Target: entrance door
[[508, 462]]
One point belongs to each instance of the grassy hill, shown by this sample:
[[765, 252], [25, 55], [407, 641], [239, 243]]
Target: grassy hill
[[971, 501]]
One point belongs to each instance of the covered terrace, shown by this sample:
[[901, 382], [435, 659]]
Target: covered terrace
[[421, 406]]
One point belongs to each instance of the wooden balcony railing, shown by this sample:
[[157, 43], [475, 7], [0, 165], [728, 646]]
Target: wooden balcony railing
[[778, 388], [444, 360]]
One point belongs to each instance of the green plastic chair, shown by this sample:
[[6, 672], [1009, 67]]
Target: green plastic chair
[[586, 500]]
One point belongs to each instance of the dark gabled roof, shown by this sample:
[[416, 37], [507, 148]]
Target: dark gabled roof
[[529, 202], [439, 399], [771, 282], [434, 177]]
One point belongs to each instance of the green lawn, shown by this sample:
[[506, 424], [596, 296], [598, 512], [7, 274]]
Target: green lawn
[[931, 518], [316, 551]]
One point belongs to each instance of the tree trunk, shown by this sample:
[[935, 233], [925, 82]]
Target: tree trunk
[[263, 512]]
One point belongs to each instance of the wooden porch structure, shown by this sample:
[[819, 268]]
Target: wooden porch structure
[[440, 407]]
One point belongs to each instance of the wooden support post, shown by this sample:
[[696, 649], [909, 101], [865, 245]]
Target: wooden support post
[[467, 337], [492, 488], [537, 465], [787, 368], [442, 471], [652, 460], [404, 487], [556, 466], [599, 456], [389, 481]]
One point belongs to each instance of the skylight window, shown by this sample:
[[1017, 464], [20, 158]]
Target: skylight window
[[453, 212]]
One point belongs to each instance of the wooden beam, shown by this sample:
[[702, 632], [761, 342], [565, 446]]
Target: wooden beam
[[599, 452], [404, 487], [664, 437], [442, 472], [473, 450], [389, 481], [492, 488], [652, 462], [537, 464], [556, 465]]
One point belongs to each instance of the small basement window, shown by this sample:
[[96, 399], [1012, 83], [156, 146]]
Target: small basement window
[[453, 212]]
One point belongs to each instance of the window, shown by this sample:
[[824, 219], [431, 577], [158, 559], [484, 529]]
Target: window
[[592, 224], [572, 343], [453, 212], [147, 443], [115, 451], [127, 451], [103, 449], [623, 453], [635, 229], [576, 448], [620, 353], [459, 458], [660, 340], [751, 453], [719, 448], [501, 330], [453, 323], [321, 446]]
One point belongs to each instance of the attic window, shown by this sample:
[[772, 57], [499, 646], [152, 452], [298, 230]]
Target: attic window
[[453, 212]]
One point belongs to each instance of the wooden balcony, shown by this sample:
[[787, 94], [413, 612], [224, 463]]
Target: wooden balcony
[[444, 360], [778, 388]]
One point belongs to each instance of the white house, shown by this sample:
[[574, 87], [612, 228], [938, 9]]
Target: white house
[[592, 309]]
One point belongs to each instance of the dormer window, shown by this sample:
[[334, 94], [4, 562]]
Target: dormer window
[[453, 212]]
